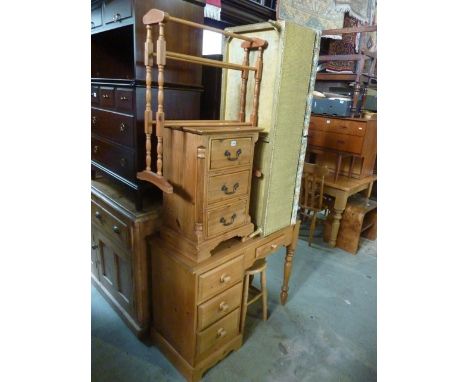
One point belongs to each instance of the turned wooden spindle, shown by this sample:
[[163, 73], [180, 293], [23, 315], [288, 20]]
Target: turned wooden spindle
[[161, 61], [243, 90], [148, 112], [258, 80]]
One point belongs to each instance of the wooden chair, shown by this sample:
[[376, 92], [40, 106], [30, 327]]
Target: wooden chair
[[311, 197], [258, 267]]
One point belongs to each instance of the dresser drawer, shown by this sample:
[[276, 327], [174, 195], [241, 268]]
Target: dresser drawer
[[225, 218], [114, 228], [227, 186], [269, 247], [106, 96], [340, 126], [341, 142], [116, 10], [114, 126], [124, 99], [228, 153], [219, 333], [116, 159], [219, 306], [220, 278], [94, 95]]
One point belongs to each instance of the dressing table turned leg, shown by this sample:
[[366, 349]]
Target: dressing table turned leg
[[337, 215], [290, 251]]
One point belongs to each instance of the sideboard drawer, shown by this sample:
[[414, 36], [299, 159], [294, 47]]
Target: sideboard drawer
[[117, 159], [230, 152], [219, 306], [124, 99], [218, 334], [340, 142], [339, 126], [220, 278], [225, 218], [115, 229], [223, 187], [106, 96], [114, 126]]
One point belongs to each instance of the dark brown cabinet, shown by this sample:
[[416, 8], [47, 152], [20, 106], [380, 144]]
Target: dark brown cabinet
[[118, 84]]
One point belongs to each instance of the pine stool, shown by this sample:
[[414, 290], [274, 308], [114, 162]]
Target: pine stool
[[258, 267]]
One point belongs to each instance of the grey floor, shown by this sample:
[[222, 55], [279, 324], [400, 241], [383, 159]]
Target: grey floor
[[326, 332]]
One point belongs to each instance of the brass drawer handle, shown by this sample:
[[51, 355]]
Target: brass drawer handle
[[227, 154], [123, 98], [221, 333], [223, 307], [95, 246], [123, 127], [95, 149], [98, 215], [116, 229], [225, 223], [123, 162], [116, 17], [234, 189], [224, 279], [105, 96]]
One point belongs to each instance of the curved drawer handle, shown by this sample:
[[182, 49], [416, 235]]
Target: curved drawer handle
[[227, 154], [225, 223], [234, 189]]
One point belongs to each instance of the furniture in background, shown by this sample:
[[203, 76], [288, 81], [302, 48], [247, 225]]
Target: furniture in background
[[252, 294], [351, 139], [117, 78], [311, 198], [119, 252], [341, 190], [359, 220]]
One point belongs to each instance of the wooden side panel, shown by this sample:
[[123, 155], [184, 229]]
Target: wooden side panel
[[174, 314]]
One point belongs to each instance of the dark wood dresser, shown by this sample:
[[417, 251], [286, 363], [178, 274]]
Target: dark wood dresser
[[355, 139], [119, 250], [117, 83]]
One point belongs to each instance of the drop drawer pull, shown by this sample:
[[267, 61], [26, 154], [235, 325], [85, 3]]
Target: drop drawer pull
[[227, 154], [224, 278], [221, 333], [223, 307], [234, 189], [225, 223]]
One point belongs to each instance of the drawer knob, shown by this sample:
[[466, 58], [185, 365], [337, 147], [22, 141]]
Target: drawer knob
[[105, 95], [123, 98], [227, 154], [221, 333], [274, 246], [223, 307], [98, 215], [360, 128], [123, 162], [93, 120], [328, 121], [224, 278], [123, 127], [95, 246], [226, 223], [226, 190], [116, 17], [95, 149], [116, 229]]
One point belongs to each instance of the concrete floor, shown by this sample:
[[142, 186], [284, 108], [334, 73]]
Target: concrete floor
[[326, 332]]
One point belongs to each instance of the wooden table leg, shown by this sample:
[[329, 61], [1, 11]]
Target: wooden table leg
[[338, 208], [290, 251]]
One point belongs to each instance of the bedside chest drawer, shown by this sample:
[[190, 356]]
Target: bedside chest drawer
[[116, 127], [219, 333], [340, 142], [229, 153], [225, 218], [220, 278], [115, 229], [339, 126], [116, 159], [106, 96], [219, 306], [124, 99], [227, 186]]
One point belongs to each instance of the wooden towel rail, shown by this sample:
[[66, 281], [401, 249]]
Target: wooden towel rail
[[159, 56]]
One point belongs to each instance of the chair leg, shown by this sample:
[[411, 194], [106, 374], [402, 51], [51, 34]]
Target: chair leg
[[312, 228], [244, 301], [264, 295]]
